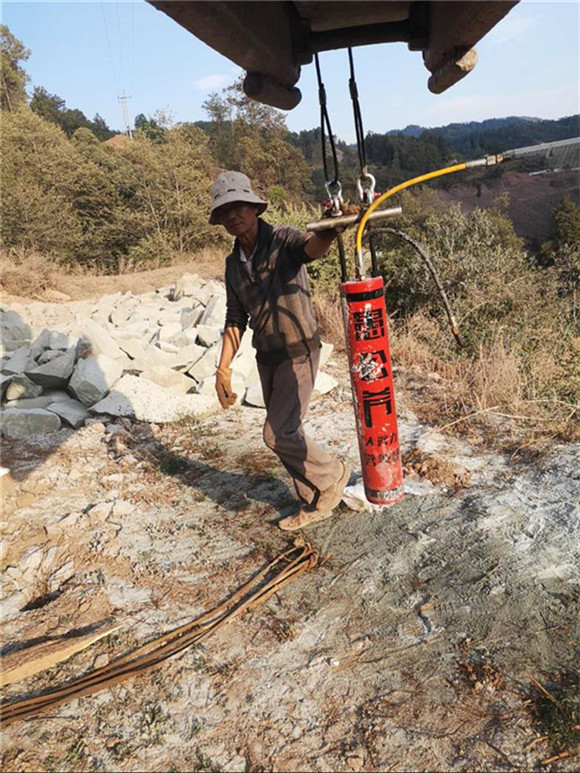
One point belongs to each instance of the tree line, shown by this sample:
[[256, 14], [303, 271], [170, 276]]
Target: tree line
[[75, 189]]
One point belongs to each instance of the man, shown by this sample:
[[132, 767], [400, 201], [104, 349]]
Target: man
[[267, 285]]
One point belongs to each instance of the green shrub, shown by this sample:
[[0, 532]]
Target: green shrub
[[153, 251]]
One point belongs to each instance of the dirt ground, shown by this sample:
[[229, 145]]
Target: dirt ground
[[412, 647]]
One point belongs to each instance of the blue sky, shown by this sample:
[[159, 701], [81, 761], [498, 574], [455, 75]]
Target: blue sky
[[89, 53]]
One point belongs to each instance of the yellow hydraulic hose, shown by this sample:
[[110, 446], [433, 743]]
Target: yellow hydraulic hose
[[396, 189]]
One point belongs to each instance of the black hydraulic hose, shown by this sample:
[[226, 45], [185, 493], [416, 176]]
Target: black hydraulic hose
[[342, 256], [431, 268]]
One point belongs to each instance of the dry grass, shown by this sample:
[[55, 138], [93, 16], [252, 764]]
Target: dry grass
[[504, 393], [31, 276], [329, 314]]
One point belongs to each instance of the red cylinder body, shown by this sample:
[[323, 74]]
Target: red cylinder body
[[365, 322]]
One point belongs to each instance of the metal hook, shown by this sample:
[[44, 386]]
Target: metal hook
[[334, 190], [366, 194]]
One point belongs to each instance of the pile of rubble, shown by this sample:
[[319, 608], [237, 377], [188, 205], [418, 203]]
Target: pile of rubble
[[151, 357]]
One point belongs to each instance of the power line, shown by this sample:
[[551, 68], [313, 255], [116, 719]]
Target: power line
[[120, 36], [112, 61]]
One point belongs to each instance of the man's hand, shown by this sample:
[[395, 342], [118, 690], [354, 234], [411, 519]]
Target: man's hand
[[320, 242], [223, 387]]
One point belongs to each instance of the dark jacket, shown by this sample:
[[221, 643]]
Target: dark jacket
[[275, 299]]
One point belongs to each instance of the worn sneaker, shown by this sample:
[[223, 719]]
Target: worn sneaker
[[331, 497]]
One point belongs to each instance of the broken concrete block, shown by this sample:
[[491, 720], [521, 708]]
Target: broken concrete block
[[102, 311], [187, 285], [92, 378], [190, 317], [138, 330], [172, 315], [214, 314], [169, 378], [207, 387], [19, 424], [155, 356], [253, 377], [188, 356], [4, 382], [134, 348], [208, 335], [324, 383], [22, 386], [254, 396], [19, 361], [169, 331], [100, 340], [45, 399], [119, 315], [325, 352], [186, 338], [205, 365], [238, 387], [210, 288], [57, 340], [47, 356], [145, 401], [14, 331], [246, 343], [56, 373], [244, 362], [167, 347], [40, 344], [72, 411]]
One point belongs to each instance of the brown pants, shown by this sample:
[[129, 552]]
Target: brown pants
[[287, 388]]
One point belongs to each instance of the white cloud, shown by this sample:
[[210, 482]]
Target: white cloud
[[551, 103], [510, 28], [208, 82]]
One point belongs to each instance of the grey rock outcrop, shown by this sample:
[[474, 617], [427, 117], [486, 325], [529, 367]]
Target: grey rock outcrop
[[143, 400], [18, 361], [92, 378], [15, 332], [72, 411], [48, 397], [56, 373], [22, 387], [152, 356], [20, 424]]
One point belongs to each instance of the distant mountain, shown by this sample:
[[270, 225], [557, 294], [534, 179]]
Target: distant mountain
[[494, 135]]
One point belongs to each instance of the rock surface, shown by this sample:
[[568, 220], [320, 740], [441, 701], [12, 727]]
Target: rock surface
[[143, 400], [171, 338], [410, 647]]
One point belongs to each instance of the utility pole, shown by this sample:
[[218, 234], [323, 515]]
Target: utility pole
[[125, 109]]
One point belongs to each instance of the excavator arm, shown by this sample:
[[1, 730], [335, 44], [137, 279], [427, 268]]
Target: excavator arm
[[272, 39]]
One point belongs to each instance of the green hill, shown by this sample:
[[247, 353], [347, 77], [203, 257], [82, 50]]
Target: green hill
[[497, 134]]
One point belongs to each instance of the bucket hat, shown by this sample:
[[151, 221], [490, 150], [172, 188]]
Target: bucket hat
[[233, 186]]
